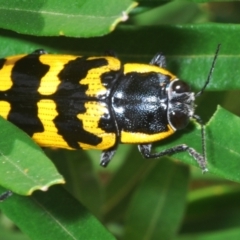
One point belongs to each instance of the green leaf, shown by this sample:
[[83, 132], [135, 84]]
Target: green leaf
[[69, 18], [81, 180], [190, 61], [24, 166], [223, 144], [53, 215], [172, 12], [157, 207], [121, 186], [232, 233], [210, 216], [8, 231]]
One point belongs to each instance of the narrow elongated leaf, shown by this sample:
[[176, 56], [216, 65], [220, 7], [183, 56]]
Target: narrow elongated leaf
[[210, 212], [122, 185], [69, 18], [24, 166], [157, 207], [232, 233], [171, 12], [13, 235], [190, 61], [53, 215], [223, 137], [81, 180]]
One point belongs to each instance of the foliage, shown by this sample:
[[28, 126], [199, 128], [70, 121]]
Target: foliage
[[134, 198]]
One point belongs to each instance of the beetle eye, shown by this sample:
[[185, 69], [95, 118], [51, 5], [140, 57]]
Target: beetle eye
[[180, 87], [178, 119]]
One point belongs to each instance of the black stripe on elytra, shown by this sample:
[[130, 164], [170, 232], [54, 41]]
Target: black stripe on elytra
[[70, 98], [2, 61], [26, 77]]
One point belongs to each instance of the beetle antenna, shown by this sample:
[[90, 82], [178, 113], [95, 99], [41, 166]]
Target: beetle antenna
[[196, 117], [210, 72]]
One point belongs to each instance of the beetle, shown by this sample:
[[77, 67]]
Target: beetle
[[77, 102]]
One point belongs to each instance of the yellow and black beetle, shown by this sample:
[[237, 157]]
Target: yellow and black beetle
[[75, 102]]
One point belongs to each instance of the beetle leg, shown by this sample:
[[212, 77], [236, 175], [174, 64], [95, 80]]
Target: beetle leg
[[110, 53], [106, 156], [39, 52], [145, 150], [5, 195], [159, 60]]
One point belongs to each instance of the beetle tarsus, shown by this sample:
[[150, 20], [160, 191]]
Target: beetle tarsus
[[110, 53], [145, 150], [39, 52], [159, 60], [199, 158], [106, 157]]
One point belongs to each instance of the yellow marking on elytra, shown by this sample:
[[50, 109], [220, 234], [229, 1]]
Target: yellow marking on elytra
[[49, 83], [5, 108], [145, 68], [108, 140], [136, 137], [90, 120], [6, 72], [93, 78], [49, 137]]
